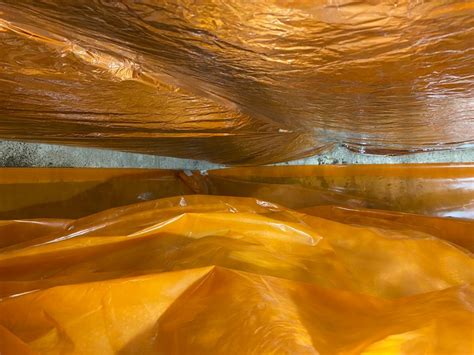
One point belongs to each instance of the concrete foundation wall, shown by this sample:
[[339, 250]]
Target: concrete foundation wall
[[18, 154]]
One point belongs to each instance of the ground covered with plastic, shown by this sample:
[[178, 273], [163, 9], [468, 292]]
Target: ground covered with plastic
[[327, 259]]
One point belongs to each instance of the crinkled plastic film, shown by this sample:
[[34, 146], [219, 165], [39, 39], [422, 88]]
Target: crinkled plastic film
[[238, 82], [203, 273]]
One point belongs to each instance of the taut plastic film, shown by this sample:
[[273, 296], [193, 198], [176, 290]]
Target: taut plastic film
[[238, 82], [202, 274]]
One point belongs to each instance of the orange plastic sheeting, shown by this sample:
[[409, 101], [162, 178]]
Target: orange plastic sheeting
[[27, 193], [225, 275], [443, 190], [238, 81], [457, 231]]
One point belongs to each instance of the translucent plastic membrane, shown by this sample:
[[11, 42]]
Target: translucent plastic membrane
[[239, 82], [440, 190], [201, 274], [444, 190]]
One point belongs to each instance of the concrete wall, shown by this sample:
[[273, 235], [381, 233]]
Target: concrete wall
[[18, 154]]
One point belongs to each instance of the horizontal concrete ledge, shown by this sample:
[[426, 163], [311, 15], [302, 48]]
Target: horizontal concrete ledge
[[18, 154]]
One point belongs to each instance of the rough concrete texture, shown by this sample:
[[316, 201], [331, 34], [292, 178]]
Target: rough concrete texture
[[18, 154]]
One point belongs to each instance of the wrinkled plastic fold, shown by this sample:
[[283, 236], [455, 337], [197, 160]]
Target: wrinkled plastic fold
[[238, 82], [111, 261]]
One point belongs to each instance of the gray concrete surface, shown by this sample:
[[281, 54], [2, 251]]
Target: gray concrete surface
[[18, 154]]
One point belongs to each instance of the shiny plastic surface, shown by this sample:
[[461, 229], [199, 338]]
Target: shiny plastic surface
[[71, 193], [438, 190], [239, 82], [443, 190], [457, 231], [202, 274]]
